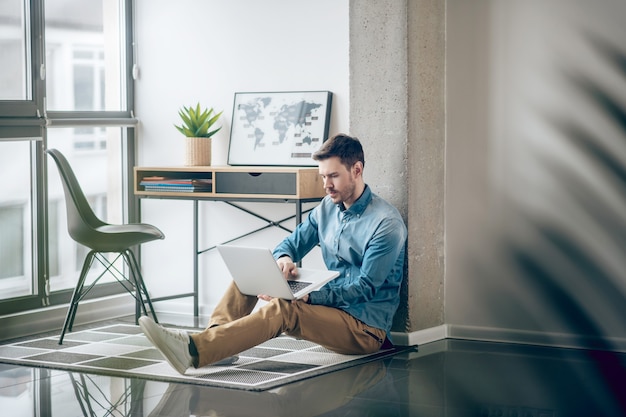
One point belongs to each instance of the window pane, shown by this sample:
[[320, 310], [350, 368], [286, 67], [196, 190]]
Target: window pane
[[15, 220], [14, 75], [11, 240], [99, 171], [83, 55], [84, 88]]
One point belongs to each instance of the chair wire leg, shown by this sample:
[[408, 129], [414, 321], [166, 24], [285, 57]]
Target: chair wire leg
[[140, 286], [76, 296], [81, 285], [136, 288]]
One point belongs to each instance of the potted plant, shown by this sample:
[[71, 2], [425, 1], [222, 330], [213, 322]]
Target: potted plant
[[198, 125]]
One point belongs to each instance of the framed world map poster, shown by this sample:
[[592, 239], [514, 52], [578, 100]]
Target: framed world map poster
[[278, 129]]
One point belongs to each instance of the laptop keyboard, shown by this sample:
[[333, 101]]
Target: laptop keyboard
[[297, 285]]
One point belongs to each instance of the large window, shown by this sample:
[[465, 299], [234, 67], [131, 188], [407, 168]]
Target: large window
[[65, 84]]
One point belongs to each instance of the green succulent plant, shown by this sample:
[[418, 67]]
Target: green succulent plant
[[197, 122]]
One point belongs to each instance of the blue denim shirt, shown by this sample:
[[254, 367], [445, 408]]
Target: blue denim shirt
[[366, 244]]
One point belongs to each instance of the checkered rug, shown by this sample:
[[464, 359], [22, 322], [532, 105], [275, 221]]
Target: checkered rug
[[122, 350]]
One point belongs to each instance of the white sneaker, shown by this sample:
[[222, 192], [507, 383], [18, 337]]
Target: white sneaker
[[173, 344]]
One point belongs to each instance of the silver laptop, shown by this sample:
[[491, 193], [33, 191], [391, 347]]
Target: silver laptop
[[255, 272]]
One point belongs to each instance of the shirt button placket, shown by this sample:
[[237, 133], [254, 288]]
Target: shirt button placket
[[344, 221]]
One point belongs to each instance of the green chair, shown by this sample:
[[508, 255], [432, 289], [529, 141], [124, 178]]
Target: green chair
[[86, 229]]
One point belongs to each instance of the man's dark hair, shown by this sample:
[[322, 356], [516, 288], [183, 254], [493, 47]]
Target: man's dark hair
[[347, 148]]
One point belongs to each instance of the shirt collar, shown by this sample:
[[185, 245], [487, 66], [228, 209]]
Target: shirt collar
[[358, 207]]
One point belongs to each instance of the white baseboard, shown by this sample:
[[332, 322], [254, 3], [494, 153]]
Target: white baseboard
[[52, 318], [420, 337], [552, 339], [490, 334]]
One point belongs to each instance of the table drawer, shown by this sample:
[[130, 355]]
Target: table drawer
[[270, 183]]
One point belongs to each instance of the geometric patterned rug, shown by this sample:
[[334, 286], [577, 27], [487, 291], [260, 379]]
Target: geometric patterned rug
[[122, 350]]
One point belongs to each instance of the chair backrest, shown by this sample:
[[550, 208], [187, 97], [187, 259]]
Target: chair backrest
[[81, 220]]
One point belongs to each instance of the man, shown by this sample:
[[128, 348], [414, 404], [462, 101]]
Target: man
[[360, 235]]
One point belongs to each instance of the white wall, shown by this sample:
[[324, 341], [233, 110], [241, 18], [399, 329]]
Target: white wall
[[192, 51]]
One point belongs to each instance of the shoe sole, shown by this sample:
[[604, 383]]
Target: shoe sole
[[226, 361], [169, 356], [145, 333]]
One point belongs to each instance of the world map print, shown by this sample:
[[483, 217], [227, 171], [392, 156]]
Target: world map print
[[278, 128]]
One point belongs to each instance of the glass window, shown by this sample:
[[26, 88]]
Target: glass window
[[14, 41], [12, 240], [89, 138], [15, 220], [84, 55]]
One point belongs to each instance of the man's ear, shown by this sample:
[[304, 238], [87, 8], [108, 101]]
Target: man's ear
[[357, 169]]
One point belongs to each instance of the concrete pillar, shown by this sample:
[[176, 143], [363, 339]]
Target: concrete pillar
[[397, 69]]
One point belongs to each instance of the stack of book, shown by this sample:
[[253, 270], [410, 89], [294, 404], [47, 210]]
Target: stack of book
[[184, 185]]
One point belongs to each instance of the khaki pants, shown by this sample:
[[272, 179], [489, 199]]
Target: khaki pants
[[239, 330]]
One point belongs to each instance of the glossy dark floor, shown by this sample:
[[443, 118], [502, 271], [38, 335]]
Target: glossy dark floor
[[446, 378]]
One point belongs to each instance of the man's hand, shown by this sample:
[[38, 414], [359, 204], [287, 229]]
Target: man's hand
[[264, 297], [287, 266], [289, 270]]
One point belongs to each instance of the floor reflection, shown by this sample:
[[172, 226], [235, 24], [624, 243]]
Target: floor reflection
[[305, 398], [446, 378], [17, 389]]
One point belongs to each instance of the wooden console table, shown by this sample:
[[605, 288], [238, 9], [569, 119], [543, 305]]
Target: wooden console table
[[229, 184]]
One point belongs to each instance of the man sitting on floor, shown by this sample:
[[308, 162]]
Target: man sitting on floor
[[361, 236]]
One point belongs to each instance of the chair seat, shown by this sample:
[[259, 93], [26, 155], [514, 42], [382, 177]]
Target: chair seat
[[118, 237]]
